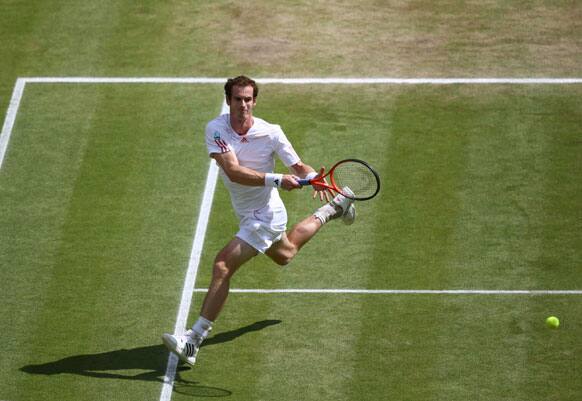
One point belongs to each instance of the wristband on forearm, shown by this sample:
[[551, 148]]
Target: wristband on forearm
[[273, 180], [311, 176]]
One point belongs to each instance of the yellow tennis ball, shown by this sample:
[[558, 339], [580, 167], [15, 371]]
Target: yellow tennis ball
[[552, 322]]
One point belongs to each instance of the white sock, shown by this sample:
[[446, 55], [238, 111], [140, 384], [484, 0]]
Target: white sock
[[326, 213], [202, 327]]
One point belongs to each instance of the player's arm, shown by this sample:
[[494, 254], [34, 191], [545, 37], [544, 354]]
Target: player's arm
[[301, 169], [247, 176]]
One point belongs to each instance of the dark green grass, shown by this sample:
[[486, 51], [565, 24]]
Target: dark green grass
[[100, 192]]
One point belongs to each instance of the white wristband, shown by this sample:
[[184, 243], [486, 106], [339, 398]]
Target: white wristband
[[311, 176], [273, 180]]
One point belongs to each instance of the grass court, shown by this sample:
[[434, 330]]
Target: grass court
[[102, 183]]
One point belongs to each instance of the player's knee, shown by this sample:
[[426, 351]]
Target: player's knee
[[220, 270], [282, 261], [284, 258]]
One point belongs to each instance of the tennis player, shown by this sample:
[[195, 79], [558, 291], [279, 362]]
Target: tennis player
[[244, 147]]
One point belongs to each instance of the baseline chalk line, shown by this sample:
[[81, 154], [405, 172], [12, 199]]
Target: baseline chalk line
[[394, 292], [310, 80]]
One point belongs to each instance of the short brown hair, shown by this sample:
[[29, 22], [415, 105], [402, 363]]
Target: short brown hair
[[241, 80]]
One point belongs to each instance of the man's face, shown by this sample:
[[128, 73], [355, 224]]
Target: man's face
[[242, 102]]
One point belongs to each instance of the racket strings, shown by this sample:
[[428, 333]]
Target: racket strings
[[358, 177]]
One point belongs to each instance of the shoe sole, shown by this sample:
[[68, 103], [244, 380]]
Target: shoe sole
[[347, 219]]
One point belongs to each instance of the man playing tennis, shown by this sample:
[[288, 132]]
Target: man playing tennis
[[244, 147]]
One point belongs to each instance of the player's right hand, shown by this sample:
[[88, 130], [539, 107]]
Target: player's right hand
[[289, 182]]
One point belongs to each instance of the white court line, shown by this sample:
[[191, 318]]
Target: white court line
[[395, 292], [11, 117], [125, 80], [308, 81], [192, 272]]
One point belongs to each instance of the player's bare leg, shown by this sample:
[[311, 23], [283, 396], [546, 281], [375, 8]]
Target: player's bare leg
[[229, 259], [227, 262], [283, 251]]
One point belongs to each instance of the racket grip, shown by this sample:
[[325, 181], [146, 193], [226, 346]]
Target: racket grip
[[303, 182]]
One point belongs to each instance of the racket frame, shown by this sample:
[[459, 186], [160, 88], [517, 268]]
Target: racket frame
[[320, 181]]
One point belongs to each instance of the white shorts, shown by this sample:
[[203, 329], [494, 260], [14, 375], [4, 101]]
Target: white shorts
[[263, 227]]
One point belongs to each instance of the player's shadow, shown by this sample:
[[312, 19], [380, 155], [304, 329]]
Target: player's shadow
[[150, 360]]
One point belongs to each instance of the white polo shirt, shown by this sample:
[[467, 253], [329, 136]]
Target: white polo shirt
[[256, 150]]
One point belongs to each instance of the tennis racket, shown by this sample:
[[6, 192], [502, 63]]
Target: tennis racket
[[357, 175]]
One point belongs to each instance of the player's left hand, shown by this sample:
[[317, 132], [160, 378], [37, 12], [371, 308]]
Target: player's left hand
[[325, 195]]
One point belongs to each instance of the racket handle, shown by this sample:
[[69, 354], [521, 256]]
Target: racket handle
[[303, 182]]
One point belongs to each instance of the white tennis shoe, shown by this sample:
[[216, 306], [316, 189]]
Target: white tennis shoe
[[185, 346], [345, 206]]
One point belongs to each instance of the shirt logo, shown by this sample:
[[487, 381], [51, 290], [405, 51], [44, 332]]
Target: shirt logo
[[221, 144], [244, 140]]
